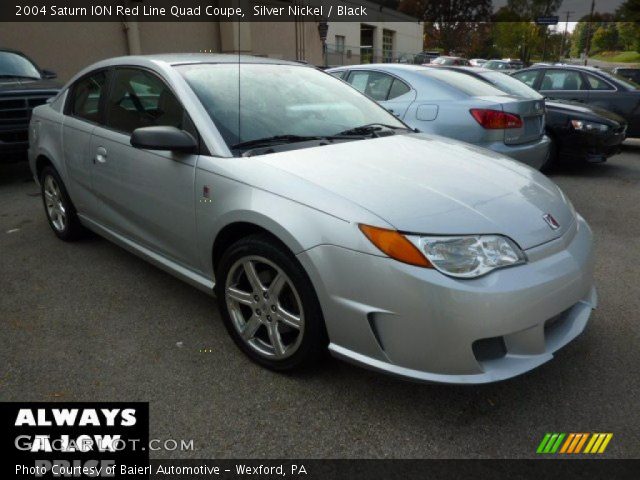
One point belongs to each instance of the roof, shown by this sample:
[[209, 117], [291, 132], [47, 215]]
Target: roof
[[560, 67], [186, 58], [384, 66]]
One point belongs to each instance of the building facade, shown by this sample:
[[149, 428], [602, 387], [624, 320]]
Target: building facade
[[67, 47]]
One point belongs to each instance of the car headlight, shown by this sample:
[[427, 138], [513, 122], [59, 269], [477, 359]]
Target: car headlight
[[584, 126], [471, 256], [468, 256]]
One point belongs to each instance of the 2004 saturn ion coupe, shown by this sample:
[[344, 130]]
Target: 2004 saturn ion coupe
[[317, 217]]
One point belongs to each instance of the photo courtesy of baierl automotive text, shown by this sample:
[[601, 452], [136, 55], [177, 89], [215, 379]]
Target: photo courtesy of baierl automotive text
[[339, 239]]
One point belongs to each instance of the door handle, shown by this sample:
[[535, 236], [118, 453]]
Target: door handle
[[101, 155]]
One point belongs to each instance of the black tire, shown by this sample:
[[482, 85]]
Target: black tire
[[552, 156], [313, 339], [70, 229]]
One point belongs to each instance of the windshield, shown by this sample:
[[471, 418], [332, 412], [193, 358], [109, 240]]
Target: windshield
[[254, 101], [443, 61], [14, 65], [511, 85]]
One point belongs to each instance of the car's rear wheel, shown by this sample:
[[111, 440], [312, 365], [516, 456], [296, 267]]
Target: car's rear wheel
[[269, 305], [60, 212]]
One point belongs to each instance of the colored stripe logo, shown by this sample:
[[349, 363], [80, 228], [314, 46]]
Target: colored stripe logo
[[574, 443]]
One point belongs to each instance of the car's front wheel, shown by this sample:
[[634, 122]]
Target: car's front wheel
[[269, 305], [60, 212]]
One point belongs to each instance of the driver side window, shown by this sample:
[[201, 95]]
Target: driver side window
[[140, 99]]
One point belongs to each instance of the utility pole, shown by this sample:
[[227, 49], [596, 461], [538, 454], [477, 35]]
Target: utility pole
[[588, 40], [564, 36]]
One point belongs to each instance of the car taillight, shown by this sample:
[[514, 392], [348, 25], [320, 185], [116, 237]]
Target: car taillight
[[495, 119]]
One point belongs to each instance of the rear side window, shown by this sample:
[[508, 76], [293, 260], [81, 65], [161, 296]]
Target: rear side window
[[85, 100], [562, 80], [398, 88], [596, 83], [374, 84], [140, 99]]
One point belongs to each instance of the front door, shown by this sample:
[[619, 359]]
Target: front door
[[83, 112], [145, 195], [565, 85]]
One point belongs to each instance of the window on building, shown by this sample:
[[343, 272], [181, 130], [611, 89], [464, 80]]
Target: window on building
[[340, 43], [387, 46]]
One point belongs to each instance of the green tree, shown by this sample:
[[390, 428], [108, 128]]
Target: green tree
[[517, 39], [578, 39], [628, 35], [605, 38], [449, 24], [629, 11]]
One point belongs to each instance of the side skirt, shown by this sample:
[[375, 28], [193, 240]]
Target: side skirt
[[169, 266]]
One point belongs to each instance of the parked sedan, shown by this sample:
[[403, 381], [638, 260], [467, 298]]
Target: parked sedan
[[500, 65], [477, 62], [592, 86], [23, 85], [444, 60], [317, 217], [449, 103], [577, 131]]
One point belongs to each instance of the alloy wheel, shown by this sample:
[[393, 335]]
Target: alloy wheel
[[265, 307], [54, 203]]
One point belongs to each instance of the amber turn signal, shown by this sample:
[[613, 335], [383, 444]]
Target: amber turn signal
[[395, 245]]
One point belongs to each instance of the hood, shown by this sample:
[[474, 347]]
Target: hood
[[22, 85], [426, 184], [584, 111]]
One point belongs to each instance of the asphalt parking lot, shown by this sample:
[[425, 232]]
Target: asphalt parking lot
[[89, 321]]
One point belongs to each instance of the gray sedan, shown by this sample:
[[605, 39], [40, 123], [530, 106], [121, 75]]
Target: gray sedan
[[454, 105], [317, 218]]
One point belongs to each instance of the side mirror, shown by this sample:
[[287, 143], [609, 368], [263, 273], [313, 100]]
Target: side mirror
[[49, 75], [163, 138]]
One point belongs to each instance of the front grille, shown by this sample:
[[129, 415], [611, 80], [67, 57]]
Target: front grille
[[16, 111], [14, 137]]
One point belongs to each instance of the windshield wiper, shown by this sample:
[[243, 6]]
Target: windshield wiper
[[371, 129], [275, 140], [18, 76]]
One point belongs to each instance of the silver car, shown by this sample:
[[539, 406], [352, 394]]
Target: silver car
[[444, 102], [316, 217]]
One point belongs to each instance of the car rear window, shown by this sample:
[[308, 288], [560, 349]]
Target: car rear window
[[464, 83]]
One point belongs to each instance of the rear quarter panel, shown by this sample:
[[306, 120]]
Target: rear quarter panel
[[45, 135]]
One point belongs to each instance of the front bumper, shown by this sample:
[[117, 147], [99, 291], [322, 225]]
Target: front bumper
[[422, 325], [533, 154], [591, 147]]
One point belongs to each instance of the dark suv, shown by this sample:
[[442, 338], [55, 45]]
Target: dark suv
[[22, 86]]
